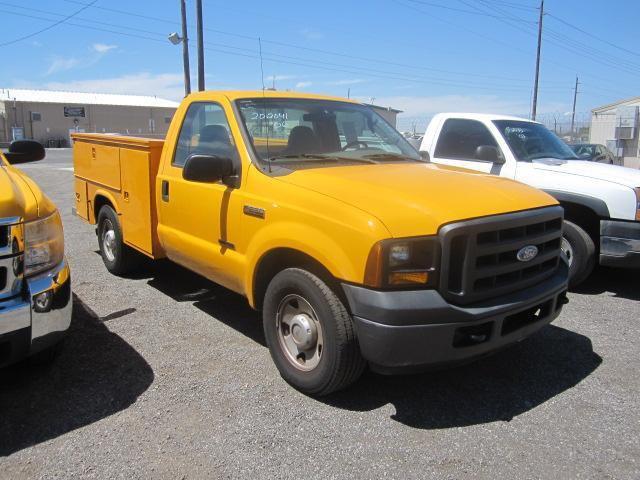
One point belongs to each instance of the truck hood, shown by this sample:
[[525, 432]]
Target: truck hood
[[20, 196], [628, 177], [418, 198]]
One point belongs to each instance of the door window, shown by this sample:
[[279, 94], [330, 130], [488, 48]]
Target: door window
[[459, 138], [205, 131]]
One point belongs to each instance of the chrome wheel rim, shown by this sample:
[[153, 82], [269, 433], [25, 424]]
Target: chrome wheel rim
[[109, 241], [565, 246], [299, 332]]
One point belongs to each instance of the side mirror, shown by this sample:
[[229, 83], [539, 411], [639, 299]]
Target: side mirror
[[488, 153], [207, 168], [23, 151], [424, 155]]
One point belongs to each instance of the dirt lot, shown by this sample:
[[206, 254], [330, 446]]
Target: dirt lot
[[166, 375]]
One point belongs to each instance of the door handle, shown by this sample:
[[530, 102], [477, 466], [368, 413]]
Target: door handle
[[165, 190]]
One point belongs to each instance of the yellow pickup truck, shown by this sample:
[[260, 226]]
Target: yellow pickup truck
[[357, 250], [35, 285]]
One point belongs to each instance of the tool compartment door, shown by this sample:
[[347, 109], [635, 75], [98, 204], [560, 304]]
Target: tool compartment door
[[136, 218], [81, 206], [97, 163]]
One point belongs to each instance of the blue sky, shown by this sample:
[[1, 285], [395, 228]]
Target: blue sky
[[421, 56]]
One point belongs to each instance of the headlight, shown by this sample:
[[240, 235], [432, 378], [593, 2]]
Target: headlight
[[44, 244], [410, 262], [637, 190]]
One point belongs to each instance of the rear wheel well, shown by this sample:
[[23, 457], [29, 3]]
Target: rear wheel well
[[584, 217], [279, 259], [99, 202]]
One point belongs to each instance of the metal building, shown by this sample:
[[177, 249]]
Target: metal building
[[50, 116], [616, 126], [388, 113]]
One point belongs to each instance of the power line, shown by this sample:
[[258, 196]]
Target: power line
[[526, 30], [273, 57], [289, 45], [593, 36], [580, 49], [30, 35], [518, 6], [443, 81], [574, 46], [454, 9]]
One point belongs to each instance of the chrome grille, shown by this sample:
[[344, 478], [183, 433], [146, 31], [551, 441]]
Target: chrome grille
[[4, 236], [480, 256], [11, 257]]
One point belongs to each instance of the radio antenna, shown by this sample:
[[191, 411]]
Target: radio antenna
[[264, 103], [261, 66]]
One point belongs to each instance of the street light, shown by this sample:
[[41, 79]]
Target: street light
[[176, 39]]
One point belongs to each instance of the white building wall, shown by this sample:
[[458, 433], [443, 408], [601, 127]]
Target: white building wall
[[603, 128]]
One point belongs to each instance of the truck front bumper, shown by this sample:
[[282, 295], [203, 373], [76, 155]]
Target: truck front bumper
[[620, 244], [416, 330], [38, 318]]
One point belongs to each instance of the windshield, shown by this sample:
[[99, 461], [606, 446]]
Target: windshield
[[529, 141], [304, 131], [584, 150]]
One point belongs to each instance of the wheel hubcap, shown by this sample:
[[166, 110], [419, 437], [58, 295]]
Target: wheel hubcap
[[299, 332], [565, 246], [109, 241]]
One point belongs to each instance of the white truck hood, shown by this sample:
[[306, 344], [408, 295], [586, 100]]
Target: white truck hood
[[628, 177]]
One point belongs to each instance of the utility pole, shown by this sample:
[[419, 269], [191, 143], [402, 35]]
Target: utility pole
[[535, 82], [573, 113], [185, 49], [200, 45]]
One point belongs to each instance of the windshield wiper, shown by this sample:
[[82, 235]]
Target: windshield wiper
[[389, 156], [317, 156], [538, 157], [305, 156]]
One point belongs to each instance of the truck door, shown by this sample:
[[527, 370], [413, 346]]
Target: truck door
[[469, 144], [192, 223]]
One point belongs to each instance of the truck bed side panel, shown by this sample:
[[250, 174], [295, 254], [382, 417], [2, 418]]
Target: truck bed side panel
[[124, 170]]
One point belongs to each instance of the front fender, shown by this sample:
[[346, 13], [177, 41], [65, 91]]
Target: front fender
[[345, 261]]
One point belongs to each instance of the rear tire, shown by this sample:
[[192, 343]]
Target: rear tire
[[580, 251], [120, 259], [310, 334]]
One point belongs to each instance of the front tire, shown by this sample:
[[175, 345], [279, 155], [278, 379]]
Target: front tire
[[120, 259], [580, 251], [310, 334]]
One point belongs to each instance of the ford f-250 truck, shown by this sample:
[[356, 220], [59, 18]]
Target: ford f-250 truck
[[327, 220], [35, 284], [601, 202]]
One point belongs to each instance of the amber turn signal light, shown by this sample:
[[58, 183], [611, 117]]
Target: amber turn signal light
[[408, 278]]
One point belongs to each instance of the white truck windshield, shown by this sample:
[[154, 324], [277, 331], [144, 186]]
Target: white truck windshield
[[529, 141]]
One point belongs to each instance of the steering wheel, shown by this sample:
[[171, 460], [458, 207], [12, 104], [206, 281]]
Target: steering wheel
[[355, 143]]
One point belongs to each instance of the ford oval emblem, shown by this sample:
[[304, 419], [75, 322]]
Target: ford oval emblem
[[528, 253]]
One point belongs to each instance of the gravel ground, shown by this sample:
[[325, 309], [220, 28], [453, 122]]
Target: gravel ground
[[167, 376]]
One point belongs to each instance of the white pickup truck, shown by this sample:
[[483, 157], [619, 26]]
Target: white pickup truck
[[601, 202]]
